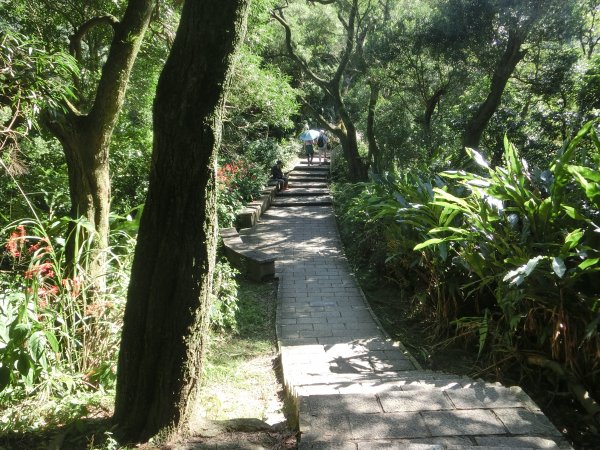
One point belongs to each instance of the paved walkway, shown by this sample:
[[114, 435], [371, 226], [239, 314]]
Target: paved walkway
[[354, 388]]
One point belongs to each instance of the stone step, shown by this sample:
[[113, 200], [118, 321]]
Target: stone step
[[321, 200], [302, 191], [315, 163], [305, 178], [311, 169], [311, 176], [307, 185]]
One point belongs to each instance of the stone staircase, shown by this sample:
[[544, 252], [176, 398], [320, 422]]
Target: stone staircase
[[307, 187]]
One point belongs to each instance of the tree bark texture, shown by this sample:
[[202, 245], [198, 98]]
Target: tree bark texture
[[349, 142], [86, 137], [504, 69], [163, 339], [374, 151]]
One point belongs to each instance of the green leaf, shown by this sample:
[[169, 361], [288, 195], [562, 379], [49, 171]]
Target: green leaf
[[513, 162], [518, 275], [571, 240], [36, 345], [558, 265], [585, 172], [52, 340], [588, 263], [588, 180], [483, 331], [573, 214], [428, 243], [4, 377], [477, 157], [19, 333], [23, 364]]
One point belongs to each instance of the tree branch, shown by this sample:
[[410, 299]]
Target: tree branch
[[289, 45], [75, 38], [349, 43], [332, 128]]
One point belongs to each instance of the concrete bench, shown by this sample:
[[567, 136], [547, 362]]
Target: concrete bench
[[254, 264], [250, 214]]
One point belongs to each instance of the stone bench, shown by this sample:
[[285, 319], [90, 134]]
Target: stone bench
[[250, 214], [254, 264]]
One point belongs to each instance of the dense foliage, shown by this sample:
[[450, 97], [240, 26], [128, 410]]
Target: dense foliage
[[496, 241], [507, 257]]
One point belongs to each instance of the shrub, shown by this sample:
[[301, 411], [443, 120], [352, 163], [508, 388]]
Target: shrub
[[508, 255], [224, 306], [238, 182], [531, 240]]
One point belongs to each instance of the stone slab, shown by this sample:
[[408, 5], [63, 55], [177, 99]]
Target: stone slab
[[463, 423]]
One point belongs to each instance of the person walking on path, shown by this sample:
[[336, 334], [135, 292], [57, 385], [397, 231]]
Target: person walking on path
[[309, 139], [277, 175], [309, 150], [322, 147]]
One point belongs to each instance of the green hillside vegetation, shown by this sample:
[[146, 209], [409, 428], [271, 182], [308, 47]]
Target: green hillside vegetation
[[466, 167]]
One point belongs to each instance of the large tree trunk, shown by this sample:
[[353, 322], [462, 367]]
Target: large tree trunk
[[504, 69], [347, 137], [86, 137], [160, 361]]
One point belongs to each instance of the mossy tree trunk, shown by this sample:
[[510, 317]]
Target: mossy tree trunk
[[86, 137], [375, 156], [160, 361]]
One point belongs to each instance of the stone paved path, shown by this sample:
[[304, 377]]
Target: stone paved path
[[353, 387]]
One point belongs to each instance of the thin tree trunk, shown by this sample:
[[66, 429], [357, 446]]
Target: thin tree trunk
[[374, 151], [160, 362], [430, 106], [504, 69], [89, 189], [358, 169]]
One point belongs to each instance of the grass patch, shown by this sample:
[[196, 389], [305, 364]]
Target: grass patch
[[239, 381], [239, 378]]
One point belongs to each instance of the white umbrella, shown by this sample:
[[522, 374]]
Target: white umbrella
[[309, 135]]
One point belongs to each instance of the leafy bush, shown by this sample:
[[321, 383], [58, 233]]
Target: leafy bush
[[48, 321], [531, 240], [58, 340], [507, 255], [238, 182], [265, 152], [224, 306], [387, 217]]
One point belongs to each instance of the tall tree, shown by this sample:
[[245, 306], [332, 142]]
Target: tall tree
[[495, 34], [86, 136], [331, 84], [160, 361]]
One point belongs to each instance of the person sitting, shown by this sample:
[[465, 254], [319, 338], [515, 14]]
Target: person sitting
[[277, 175]]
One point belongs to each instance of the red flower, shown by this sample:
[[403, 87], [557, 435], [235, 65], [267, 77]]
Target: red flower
[[45, 270], [16, 242], [44, 291], [72, 285]]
